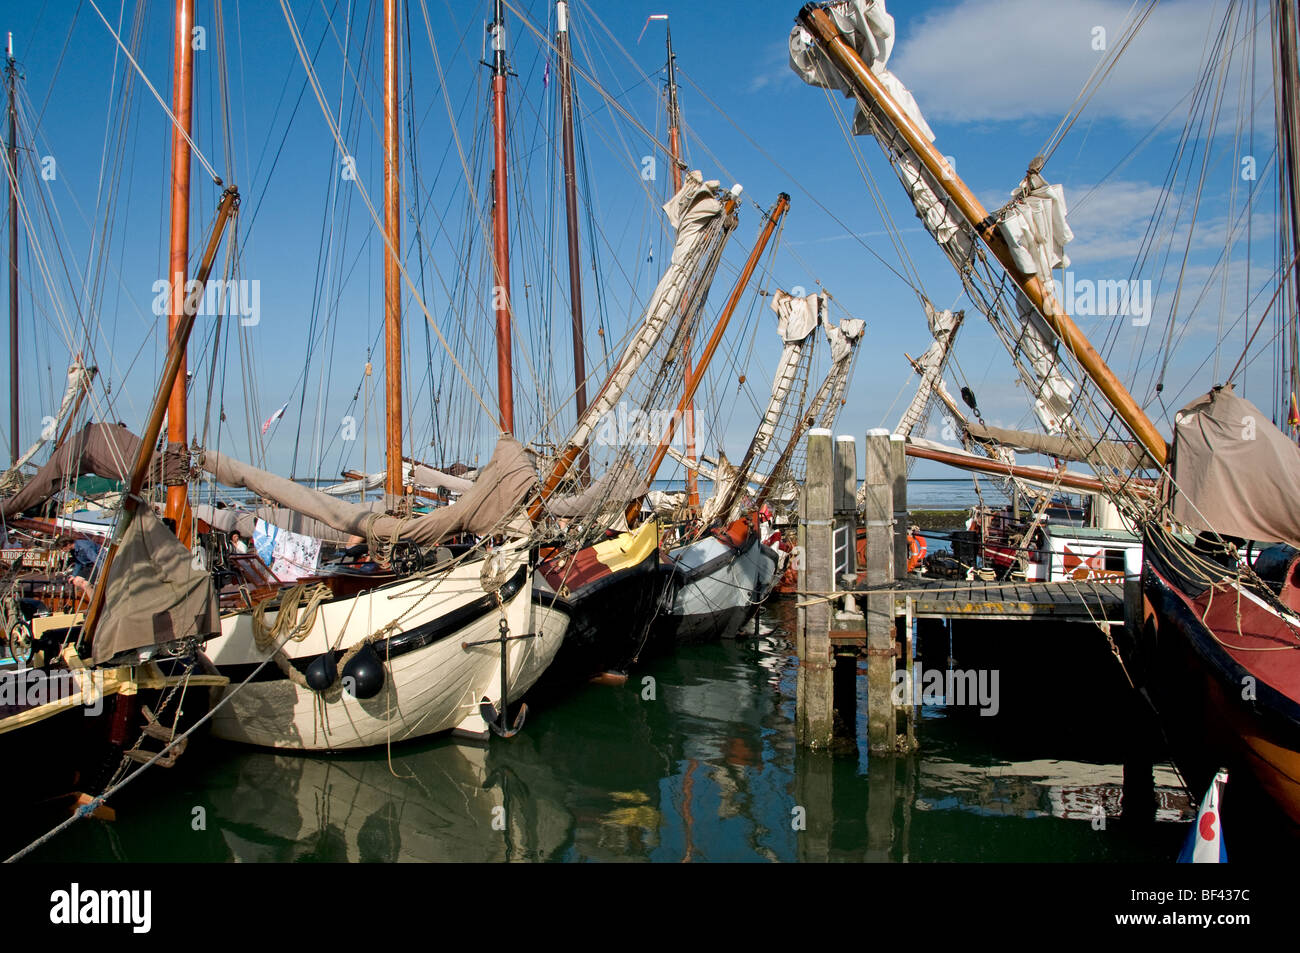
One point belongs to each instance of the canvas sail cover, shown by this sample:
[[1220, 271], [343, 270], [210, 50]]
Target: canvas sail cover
[[1234, 473], [499, 489], [615, 488], [1102, 454], [230, 519], [155, 595], [105, 450]]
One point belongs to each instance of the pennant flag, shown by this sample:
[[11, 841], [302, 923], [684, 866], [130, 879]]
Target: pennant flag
[[546, 75], [273, 418], [1205, 839], [1293, 418]]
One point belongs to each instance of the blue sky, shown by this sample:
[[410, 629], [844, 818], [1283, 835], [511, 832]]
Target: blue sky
[[993, 77]]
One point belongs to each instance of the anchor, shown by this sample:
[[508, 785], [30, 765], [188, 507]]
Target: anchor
[[497, 720]]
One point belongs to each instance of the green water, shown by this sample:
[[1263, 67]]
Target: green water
[[705, 770]]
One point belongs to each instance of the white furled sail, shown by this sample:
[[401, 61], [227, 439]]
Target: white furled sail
[[1033, 222], [797, 319], [943, 327], [697, 215]]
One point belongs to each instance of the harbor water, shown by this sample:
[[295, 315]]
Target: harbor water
[[693, 759]]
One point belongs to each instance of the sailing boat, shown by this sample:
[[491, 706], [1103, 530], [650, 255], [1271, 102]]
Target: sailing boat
[[149, 610], [439, 650], [1219, 644]]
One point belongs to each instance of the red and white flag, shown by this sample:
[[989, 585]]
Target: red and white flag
[[273, 418], [1204, 843]]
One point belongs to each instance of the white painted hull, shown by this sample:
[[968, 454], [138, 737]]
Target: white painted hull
[[723, 588], [430, 689]]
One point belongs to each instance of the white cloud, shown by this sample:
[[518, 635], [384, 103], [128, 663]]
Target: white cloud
[[990, 60]]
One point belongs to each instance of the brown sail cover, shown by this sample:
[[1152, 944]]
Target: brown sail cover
[[229, 519], [500, 487], [1102, 454], [155, 594], [1234, 473], [105, 450]]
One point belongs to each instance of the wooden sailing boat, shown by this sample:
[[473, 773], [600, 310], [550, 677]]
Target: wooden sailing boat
[[148, 612], [441, 650], [1219, 642]]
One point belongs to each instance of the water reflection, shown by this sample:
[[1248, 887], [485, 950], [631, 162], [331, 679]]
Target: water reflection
[[692, 760]]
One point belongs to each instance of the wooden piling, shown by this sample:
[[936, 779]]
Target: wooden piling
[[846, 503], [878, 517], [898, 473], [815, 690]]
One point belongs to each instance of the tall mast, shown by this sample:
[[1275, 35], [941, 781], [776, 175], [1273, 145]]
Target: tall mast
[[11, 76], [501, 224], [182, 109], [693, 381], [571, 208], [675, 145], [392, 272], [868, 86], [1288, 107]]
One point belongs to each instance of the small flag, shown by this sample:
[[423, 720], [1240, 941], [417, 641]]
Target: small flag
[[546, 75], [1205, 840], [1293, 418], [273, 418]]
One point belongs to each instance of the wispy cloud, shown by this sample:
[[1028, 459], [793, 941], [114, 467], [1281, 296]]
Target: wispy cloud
[[1008, 60]]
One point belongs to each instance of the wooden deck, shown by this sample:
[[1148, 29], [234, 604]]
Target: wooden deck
[[1084, 601], [1064, 601]]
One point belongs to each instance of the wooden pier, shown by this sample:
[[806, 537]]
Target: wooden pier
[[852, 609]]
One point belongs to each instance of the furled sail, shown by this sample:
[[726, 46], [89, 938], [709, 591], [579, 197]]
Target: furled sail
[[243, 519], [696, 214], [105, 450], [79, 378], [500, 488], [943, 328], [1102, 454], [611, 492], [1233, 472], [797, 320], [1034, 220]]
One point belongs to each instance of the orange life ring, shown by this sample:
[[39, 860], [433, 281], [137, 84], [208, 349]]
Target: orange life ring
[[915, 550]]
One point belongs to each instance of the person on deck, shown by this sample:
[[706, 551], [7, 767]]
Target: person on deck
[[85, 557], [237, 543]]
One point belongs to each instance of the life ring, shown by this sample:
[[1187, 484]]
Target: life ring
[[915, 550]]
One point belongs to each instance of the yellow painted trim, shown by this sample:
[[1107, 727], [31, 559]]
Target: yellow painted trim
[[628, 549]]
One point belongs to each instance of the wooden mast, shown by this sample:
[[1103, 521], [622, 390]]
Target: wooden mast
[[501, 225], [571, 211], [172, 368], [693, 382], [1288, 108], [392, 272], [177, 508], [675, 145], [867, 85], [11, 75]]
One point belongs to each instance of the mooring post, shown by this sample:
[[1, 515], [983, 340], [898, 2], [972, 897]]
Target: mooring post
[[1139, 803], [846, 506], [878, 515], [848, 615], [815, 694], [898, 470]]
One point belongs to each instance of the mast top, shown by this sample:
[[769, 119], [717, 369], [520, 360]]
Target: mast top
[[561, 16], [498, 31]]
